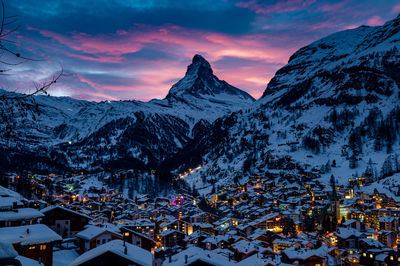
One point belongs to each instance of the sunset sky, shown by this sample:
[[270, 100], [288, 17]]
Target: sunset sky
[[136, 49]]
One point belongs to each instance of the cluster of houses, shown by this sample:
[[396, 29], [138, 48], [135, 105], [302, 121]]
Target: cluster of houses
[[259, 222]]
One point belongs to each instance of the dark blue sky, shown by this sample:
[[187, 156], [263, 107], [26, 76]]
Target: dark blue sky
[[135, 49]]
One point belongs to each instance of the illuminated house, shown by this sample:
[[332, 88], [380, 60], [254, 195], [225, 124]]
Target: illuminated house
[[144, 226], [32, 241], [274, 222], [172, 238], [388, 223], [94, 236], [138, 239], [20, 216], [302, 256], [64, 221], [388, 238], [380, 257], [244, 249]]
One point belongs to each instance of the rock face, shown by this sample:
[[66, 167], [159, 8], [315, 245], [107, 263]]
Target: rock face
[[123, 134]]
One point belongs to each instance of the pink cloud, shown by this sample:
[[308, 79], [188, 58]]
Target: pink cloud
[[350, 27], [333, 7], [375, 21], [278, 7], [91, 44], [108, 49], [396, 8], [154, 77]]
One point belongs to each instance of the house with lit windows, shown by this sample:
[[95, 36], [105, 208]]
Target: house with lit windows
[[32, 241]]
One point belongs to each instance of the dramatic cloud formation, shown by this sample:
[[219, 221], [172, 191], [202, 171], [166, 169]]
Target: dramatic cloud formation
[[137, 49]]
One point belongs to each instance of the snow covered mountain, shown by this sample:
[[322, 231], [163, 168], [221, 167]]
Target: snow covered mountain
[[75, 133], [333, 109]]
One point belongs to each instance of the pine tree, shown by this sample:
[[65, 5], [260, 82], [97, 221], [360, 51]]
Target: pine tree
[[328, 166], [387, 167]]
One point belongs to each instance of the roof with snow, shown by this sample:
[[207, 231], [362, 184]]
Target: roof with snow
[[257, 260], [7, 202], [28, 234], [5, 192], [372, 242], [303, 253], [195, 254], [345, 233], [7, 251], [169, 231], [134, 253], [386, 219], [92, 231], [49, 208], [20, 214], [244, 246], [28, 262]]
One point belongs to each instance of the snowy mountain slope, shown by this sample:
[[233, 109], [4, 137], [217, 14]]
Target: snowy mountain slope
[[330, 110], [74, 131], [345, 67]]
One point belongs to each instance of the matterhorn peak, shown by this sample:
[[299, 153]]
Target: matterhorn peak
[[199, 67], [199, 81]]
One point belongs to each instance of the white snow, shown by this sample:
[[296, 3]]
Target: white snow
[[28, 234], [7, 251], [134, 253], [64, 257], [20, 214]]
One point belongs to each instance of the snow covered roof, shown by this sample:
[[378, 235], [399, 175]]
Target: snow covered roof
[[49, 208], [9, 193], [257, 260], [20, 214], [28, 262], [386, 219], [142, 222], [344, 233], [134, 253], [92, 231], [381, 257], [7, 202], [195, 254], [202, 225], [372, 242], [303, 253], [7, 251], [349, 222], [244, 246], [168, 232], [28, 234]]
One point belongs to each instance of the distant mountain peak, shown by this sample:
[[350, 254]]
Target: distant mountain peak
[[199, 66], [200, 81], [198, 59]]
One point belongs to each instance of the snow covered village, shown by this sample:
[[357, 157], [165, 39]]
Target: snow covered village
[[79, 221], [204, 132]]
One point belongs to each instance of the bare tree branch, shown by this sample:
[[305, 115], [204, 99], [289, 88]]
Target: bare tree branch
[[17, 107]]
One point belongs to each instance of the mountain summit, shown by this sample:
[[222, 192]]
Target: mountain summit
[[200, 82]]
